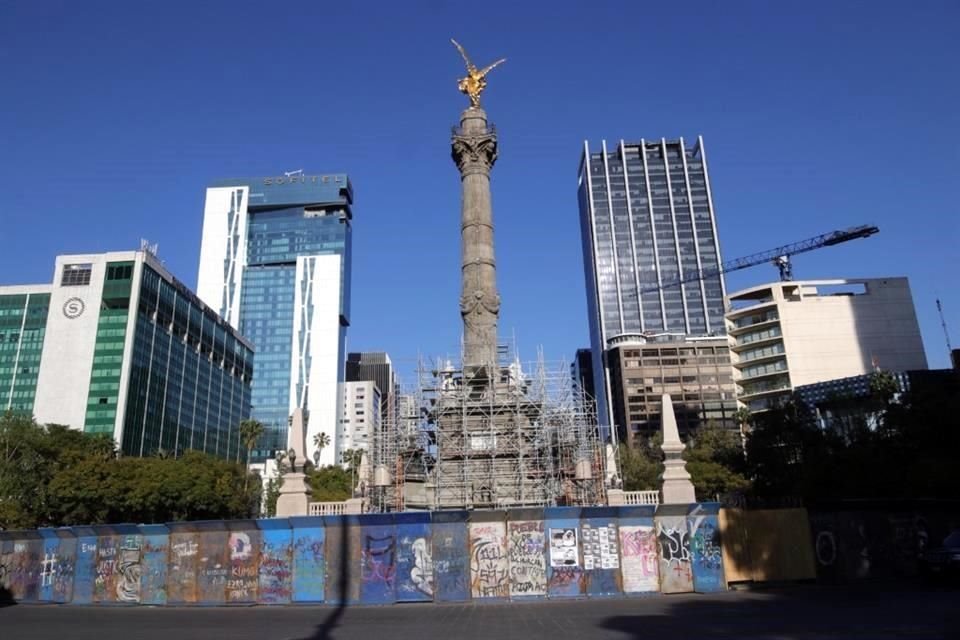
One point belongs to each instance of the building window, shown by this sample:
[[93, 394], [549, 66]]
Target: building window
[[76, 275]]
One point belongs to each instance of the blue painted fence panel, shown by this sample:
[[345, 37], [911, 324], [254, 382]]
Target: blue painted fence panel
[[51, 545], [707, 559], [84, 569], [600, 545], [309, 559], [414, 574], [128, 564], [153, 564], [639, 560], [276, 562], [64, 568], [378, 559], [564, 565], [451, 557]]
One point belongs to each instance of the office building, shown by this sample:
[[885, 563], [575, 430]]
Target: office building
[[116, 345], [647, 219], [789, 334], [275, 262], [360, 417], [695, 372], [375, 366]]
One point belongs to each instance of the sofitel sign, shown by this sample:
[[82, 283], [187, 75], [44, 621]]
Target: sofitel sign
[[299, 179]]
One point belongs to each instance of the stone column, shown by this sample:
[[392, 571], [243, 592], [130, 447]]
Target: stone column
[[474, 149], [676, 487]]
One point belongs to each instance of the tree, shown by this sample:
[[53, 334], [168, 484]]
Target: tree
[[715, 462], [330, 484], [56, 476], [250, 433], [641, 466], [321, 441]]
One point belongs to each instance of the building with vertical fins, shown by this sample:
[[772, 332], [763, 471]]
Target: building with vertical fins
[[275, 263], [118, 346], [647, 218]]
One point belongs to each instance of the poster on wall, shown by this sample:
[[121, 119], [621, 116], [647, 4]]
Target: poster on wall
[[600, 547], [564, 551]]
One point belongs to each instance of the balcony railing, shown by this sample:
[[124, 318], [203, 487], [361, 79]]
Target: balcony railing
[[641, 497], [328, 508]]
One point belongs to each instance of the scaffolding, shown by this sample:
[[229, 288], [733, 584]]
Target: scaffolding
[[471, 438]]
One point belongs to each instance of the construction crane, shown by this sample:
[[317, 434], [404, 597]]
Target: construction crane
[[779, 256], [943, 323]]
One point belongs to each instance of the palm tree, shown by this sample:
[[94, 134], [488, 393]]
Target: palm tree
[[320, 441], [250, 433]]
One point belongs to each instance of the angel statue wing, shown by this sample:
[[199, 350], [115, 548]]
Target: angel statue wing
[[470, 66]]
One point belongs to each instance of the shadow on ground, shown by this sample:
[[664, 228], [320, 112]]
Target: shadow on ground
[[874, 611]]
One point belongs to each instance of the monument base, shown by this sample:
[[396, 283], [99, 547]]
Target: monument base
[[294, 499]]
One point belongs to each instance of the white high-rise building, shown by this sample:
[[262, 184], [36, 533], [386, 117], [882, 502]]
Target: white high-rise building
[[787, 334], [275, 263], [359, 416]]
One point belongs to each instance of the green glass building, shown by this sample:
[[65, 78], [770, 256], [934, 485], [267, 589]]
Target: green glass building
[[117, 345]]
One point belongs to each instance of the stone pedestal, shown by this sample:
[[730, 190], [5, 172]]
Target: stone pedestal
[[294, 497], [676, 487], [615, 498]]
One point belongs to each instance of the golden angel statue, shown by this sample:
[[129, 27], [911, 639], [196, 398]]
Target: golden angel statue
[[476, 80]]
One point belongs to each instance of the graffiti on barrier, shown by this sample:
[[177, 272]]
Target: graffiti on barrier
[[378, 557], [705, 544], [489, 570], [528, 571], [638, 544], [676, 573], [128, 574]]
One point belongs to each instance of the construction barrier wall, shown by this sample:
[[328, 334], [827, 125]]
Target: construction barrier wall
[[878, 540], [446, 556]]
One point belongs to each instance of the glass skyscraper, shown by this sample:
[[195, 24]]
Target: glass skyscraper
[[647, 220], [118, 346], [275, 262]]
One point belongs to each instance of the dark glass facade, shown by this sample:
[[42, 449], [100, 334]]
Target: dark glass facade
[[646, 216], [190, 374], [23, 321]]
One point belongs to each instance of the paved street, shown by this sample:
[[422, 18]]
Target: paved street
[[873, 611]]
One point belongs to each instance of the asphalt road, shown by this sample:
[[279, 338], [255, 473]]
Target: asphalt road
[[870, 611]]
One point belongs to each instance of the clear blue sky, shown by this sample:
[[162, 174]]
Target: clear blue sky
[[816, 116]]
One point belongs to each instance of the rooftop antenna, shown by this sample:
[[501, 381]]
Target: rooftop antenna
[[152, 249], [298, 172]]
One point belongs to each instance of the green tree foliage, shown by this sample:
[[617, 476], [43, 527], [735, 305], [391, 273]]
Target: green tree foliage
[[641, 465], [55, 476], [902, 446], [250, 433], [329, 484], [715, 462], [352, 458]]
